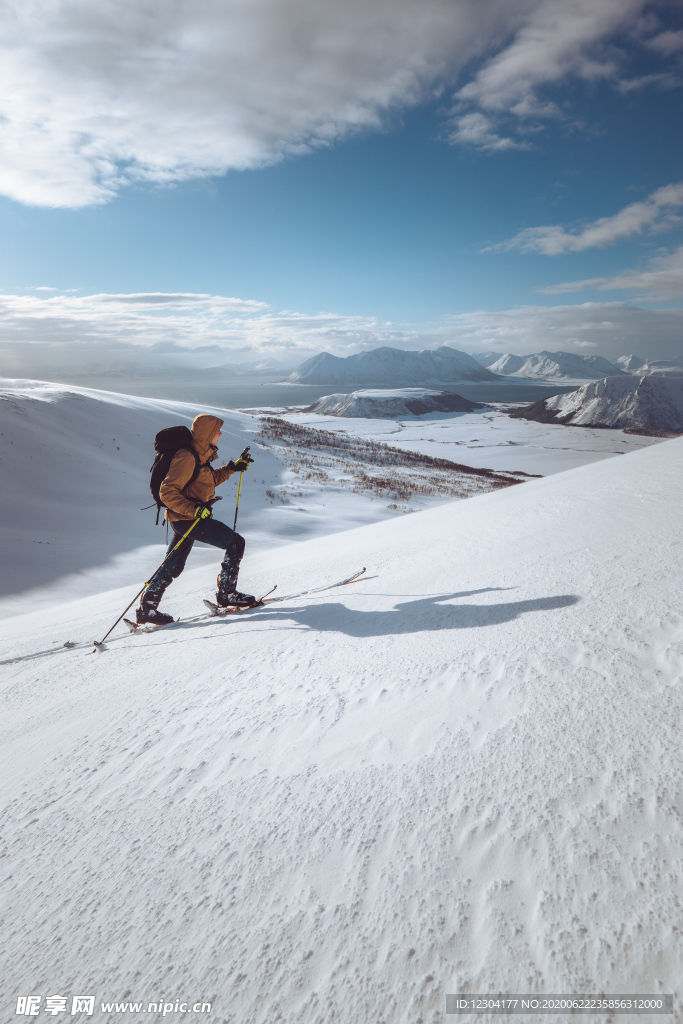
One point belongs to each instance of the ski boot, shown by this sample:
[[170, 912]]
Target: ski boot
[[148, 612], [227, 596]]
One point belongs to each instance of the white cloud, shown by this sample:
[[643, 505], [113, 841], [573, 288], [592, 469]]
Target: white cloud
[[43, 336], [475, 129], [657, 213], [609, 329], [96, 95], [667, 42], [661, 282], [558, 38]]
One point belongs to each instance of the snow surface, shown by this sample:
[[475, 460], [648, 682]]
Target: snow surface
[[391, 366], [394, 404], [646, 404], [460, 775]]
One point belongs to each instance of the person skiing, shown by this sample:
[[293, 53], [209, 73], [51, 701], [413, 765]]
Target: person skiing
[[185, 504]]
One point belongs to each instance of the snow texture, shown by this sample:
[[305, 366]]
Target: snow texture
[[646, 405], [462, 774], [392, 404], [391, 366]]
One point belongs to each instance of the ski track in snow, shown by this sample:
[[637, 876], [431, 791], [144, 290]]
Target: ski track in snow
[[460, 774]]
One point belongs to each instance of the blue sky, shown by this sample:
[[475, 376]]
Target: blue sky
[[403, 214]]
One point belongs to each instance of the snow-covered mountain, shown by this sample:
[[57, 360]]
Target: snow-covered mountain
[[630, 363], [391, 366], [508, 364], [648, 405], [391, 404], [556, 365], [460, 775]]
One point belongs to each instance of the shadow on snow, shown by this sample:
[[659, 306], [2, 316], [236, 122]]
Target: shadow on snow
[[424, 614]]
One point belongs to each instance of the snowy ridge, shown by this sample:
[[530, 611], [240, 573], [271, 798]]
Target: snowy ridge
[[461, 775], [391, 404], [391, 366], [647, 405]]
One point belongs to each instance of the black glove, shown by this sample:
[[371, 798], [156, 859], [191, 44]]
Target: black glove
[[242, 464]]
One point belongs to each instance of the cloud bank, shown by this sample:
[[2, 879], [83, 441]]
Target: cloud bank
[[44, 337], [660, 281], [96, 95], [656, 213]]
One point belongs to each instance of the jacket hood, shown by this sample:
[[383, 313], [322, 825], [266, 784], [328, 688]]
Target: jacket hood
[[204, 427]]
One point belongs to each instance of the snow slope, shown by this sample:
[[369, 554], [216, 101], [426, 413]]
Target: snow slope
[[391, 366], [648, 404], [461, 775], [391, 404]]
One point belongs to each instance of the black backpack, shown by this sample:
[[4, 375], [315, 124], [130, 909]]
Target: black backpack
[[166, 444]]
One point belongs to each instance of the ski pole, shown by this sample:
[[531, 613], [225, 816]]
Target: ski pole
[[153, 574], [244, 455]]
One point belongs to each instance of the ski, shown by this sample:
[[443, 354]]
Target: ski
[[319, 590], [267, 599]]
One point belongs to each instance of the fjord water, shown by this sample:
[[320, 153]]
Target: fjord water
[[257, 393]]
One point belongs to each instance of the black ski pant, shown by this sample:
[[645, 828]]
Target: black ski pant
[[208, 531]]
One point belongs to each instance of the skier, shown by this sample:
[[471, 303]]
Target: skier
[[185, 504]]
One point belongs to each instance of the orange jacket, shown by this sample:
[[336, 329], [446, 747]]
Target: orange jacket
[[181, 501]]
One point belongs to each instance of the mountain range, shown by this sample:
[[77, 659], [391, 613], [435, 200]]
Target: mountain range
[[391, 366], [557, 365]]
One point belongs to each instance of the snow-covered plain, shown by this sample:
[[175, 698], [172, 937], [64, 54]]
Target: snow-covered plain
[[462, 774], [487, 438]]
